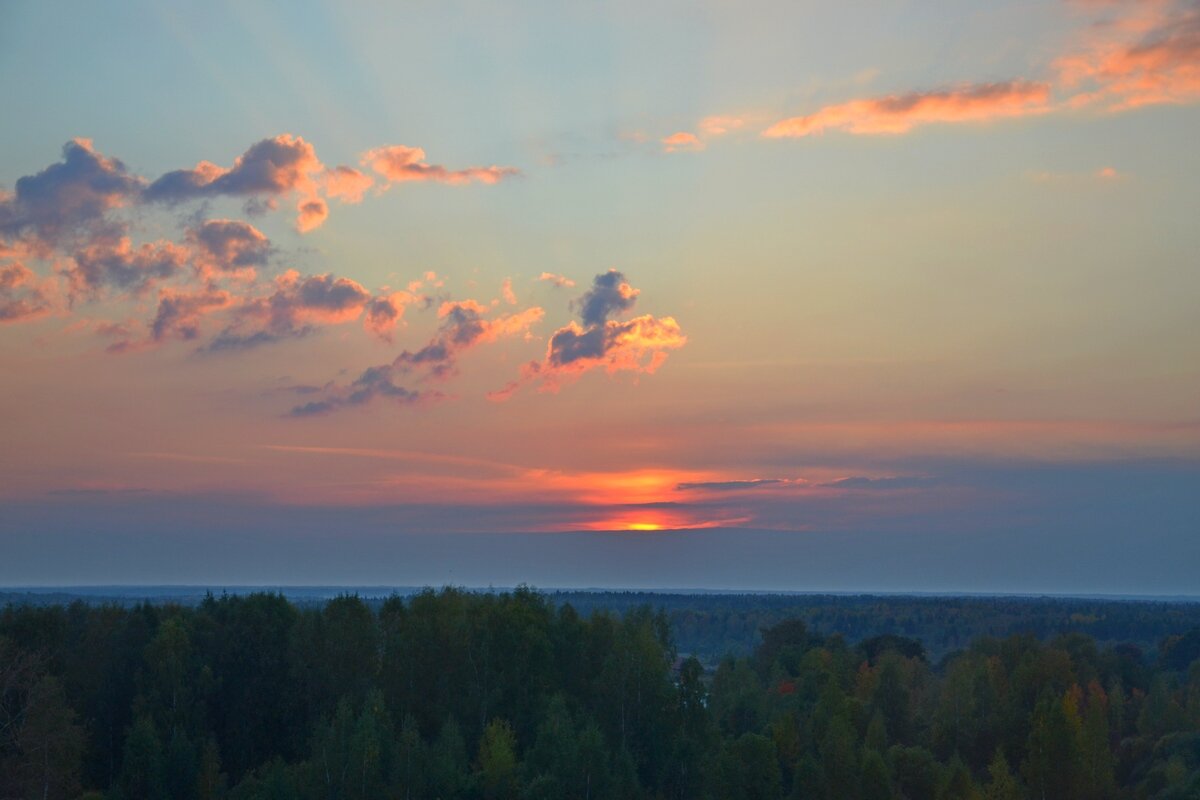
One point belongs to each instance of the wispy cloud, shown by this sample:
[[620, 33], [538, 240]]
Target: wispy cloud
[[894, 114], [402, 164], [560, 281]]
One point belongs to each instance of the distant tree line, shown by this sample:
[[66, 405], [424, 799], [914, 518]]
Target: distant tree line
[[713, 625], [502, 696]]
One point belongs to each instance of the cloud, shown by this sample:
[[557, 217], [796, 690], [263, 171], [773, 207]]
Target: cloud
[[180, 313], [311, 214], [893, 483], [463, 326], [400, 164], [1149, 54], [709, 128], [271, 167], [894, 114], [63, 214], [346, 184], [560, 281], [120, 265], [731, 486], [71, 195], [229, 246], [23, 295], [720, 125], [385, 312], [640, 344], [297, 305], [682, 142], [506, 291], [610, 294], [375, 382]]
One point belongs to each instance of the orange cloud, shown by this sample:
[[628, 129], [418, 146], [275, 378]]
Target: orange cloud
[[274, 166], [296, 305], [385, 312], [181, 313], [719, 126], [1150, 54], [463, 327], [68, 198], [228, 246], [346, 184], [560, 281], [637, 345], [24, 296], [119, 265], [896, 114], [311, 214], [400, 164], [270, 168], [682, 142]]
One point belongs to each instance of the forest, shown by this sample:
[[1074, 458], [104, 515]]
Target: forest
[[455, 694]]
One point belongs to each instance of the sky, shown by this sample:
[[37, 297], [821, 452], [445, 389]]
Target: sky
[[894, 296]]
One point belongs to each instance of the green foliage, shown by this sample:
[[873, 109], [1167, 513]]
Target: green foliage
[[465, 696], [1002, 784], [915, 772], [143, 769], [876, 778], [498, 761]]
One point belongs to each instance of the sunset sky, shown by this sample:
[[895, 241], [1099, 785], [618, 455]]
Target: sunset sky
[[303, 293]]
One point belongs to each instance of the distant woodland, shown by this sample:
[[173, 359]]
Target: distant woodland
[[455, 694]]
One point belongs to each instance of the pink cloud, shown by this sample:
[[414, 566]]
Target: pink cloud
[[896, 114], [399, 164]]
